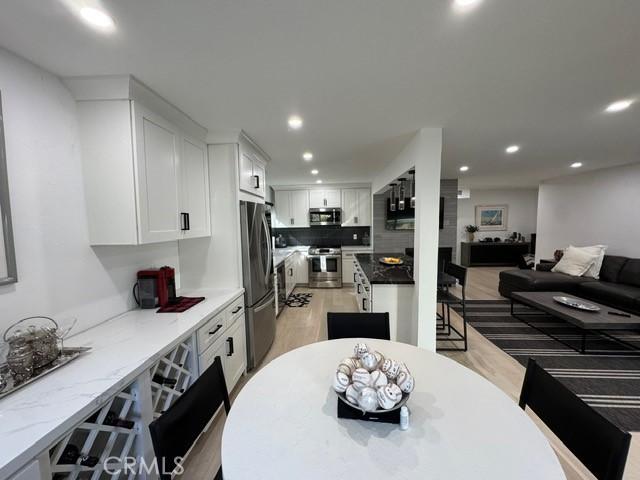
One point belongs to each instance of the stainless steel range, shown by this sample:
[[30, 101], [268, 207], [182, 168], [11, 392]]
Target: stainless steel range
[[325, 267]]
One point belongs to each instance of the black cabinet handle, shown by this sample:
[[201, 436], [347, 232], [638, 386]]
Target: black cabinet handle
[[230, 342], [364, 306], [359, 285], [257, 181], [354, 277], [184, 221], [238, 308], [188, 221], [213, 332]]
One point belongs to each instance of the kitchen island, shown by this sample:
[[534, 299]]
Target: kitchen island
[[386, 288]]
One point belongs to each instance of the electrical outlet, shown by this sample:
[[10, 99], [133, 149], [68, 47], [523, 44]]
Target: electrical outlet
[[355, 236]]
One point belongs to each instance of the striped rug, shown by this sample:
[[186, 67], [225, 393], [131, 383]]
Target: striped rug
[[608, 380]]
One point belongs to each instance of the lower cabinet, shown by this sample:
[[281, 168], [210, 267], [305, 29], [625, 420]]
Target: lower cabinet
[[290, 274]]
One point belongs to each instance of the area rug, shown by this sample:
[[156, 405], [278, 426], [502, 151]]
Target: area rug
[[608, 381], [298, 299]]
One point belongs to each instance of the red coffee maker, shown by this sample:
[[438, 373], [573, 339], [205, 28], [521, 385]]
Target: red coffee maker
[[156, 287]]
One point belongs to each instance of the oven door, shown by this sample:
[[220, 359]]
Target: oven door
[[325, 271]]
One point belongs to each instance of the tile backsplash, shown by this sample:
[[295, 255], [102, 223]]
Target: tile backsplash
[[324, 236]]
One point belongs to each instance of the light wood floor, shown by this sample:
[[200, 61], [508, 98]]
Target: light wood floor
[[297, 327]]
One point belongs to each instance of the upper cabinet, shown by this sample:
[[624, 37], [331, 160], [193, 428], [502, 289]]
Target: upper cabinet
[[145, 170], [324, 199], [356, 207], [291, 209], [252, 169]]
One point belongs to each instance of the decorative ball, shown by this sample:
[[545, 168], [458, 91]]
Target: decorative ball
[[378, 379], [344, 369], [385, 398], [405, 381], [390, 368], [349, 364], [340, 382], [352, 395], [360, 349], [369, 361], [395, 391], [361, 378], [379, 358], [403, 368], [368, 399]]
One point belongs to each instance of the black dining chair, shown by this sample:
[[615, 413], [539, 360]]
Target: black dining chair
[[358, 325], [177, 429], [446, 299], [599, 444]]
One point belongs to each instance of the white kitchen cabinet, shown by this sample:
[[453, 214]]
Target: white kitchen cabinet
[[302, 268], [251, 169], [325, 199], [348, 258], [356, 207], [291, 208], [194, 172], [141, 174], [235, 356], [290, 274]]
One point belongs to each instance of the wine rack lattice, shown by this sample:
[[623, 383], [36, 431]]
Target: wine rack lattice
[[171, 376], [109, 432]]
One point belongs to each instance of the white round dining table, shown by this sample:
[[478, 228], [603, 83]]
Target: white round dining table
[[284, 425]]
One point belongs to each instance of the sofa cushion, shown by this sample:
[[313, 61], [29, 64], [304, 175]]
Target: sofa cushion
[[611, 266], [630, 273], [536, 281], [615, 295]]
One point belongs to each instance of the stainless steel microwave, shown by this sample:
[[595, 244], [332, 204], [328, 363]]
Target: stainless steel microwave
[[325, 216]]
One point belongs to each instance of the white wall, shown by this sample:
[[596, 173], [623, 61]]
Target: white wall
[[59, 274], [598, 207], [522, 216], [424, 152]]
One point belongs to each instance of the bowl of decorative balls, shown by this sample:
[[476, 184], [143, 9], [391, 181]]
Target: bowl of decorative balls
[[372, 383]]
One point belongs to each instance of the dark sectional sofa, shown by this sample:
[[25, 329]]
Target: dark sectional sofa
[[618, 286]]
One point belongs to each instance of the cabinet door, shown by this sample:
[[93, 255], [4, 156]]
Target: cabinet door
[[235, 359], [289, 272], [259, 178], [316, 199], [194, 170], [350, 207], [218, 349], [283, 217], [302, 274], [246, 172], [364, 207], [299, 202], [332, 198], [347, 269], [157, 146]]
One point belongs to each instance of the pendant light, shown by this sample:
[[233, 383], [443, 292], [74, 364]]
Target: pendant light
[[392, 197], [401, 193], [412, 188]]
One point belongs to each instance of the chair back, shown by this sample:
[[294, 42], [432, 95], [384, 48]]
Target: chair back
[[444, 257], [177, 429], [358, 325], [457, 271], [599, 444]]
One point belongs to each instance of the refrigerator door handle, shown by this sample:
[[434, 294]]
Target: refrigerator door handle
[[267, 273]]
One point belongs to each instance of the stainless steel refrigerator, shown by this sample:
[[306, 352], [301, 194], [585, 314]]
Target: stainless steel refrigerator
[[257, 273]]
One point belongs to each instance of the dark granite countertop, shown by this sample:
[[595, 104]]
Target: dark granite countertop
[[377, 273]]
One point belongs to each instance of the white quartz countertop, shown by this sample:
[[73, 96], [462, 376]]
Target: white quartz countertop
[[36, 416], [281, 254]]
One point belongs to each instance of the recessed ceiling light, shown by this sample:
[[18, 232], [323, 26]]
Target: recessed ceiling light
[[464, 168], [464, 5], [314, 172], [295, 122], [576, 165], [308, 156], [97, 18], [512, 149], [619, 106], [318, 181]]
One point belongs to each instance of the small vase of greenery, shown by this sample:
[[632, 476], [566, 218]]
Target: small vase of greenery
[[471, 230]]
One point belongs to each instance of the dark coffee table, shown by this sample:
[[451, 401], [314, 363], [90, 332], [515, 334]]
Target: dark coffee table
[[588, 322]]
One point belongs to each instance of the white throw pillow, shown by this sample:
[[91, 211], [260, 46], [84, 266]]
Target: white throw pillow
[[594, 271], [575, 262]]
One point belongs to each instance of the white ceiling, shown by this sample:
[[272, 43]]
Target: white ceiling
[[364, 74]]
